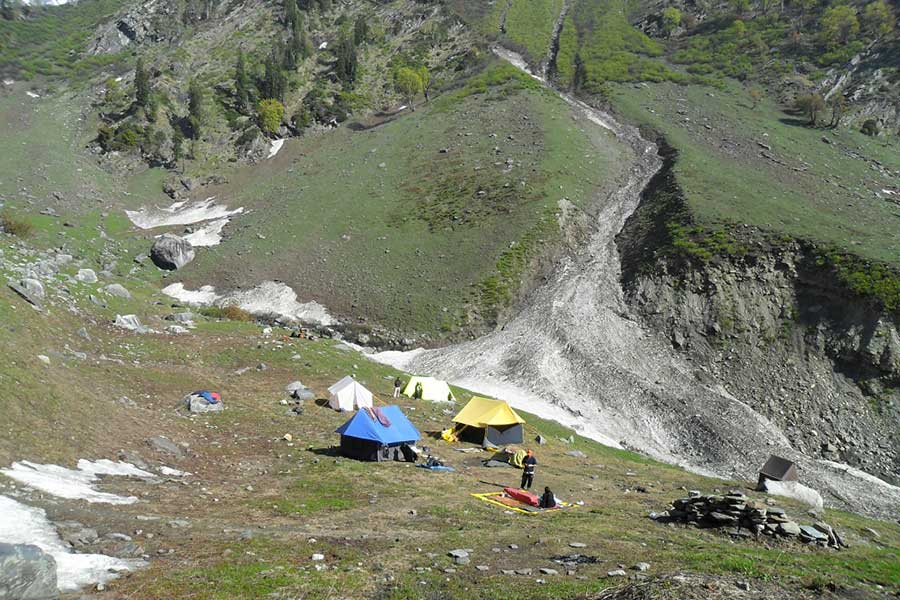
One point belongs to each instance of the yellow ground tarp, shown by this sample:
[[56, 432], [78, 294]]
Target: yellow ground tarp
[[499, 499]]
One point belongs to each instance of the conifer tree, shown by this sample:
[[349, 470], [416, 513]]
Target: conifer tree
[[141, 84]]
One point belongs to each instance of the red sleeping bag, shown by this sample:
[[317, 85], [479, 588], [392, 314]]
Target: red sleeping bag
[[522, 496]]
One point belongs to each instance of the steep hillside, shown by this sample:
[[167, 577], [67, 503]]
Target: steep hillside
[[257, 509]]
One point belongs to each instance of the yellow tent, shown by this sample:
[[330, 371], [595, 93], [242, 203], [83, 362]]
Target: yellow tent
[[431, 389], [489, 422]]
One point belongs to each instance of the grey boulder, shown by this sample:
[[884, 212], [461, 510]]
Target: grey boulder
[[196, 404], [118, 290], [86, 276], [26, 573], [171, 252], [164, 444]]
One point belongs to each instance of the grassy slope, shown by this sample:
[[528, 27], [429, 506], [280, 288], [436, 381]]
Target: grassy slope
[[727, 180], [398, 243], [44, 140], [359, 513], [529, 26], [51, 45]]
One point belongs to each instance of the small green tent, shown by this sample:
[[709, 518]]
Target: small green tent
[[428, 388]]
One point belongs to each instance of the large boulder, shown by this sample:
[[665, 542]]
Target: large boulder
[[171, 252], [26, 573], [198, 404]]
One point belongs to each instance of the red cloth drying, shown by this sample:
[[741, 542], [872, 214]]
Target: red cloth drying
[[522, 496]]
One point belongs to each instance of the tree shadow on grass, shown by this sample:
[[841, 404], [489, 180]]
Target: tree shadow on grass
[[795, 122]]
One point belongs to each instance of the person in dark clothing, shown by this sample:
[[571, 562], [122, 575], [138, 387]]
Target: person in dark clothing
[[528, 470], [548, 500], [397, 385], [418, 391]]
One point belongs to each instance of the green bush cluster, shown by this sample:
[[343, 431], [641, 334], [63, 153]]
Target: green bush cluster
[[15, 226], [51, 42], [611, 49], [702, 244], [499, 74], [229, 313], [868, 279]]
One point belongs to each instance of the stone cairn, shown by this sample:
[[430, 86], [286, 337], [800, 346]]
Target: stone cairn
[[746, 518]]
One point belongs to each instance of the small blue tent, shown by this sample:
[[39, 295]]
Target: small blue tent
[[379, 434]]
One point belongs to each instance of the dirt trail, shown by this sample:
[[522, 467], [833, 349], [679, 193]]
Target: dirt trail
[[575, 353]]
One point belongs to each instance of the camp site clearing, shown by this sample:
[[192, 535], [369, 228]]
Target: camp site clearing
[[266, 515]]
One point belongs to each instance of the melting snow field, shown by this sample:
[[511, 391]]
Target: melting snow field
[[208, 235], [181, 213], [75, 484], [21, 524], [267, 298]]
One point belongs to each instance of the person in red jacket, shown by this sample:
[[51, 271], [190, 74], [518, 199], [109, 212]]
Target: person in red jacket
[[528, 465]]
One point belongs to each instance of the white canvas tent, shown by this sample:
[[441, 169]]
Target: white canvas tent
[[348, 394]]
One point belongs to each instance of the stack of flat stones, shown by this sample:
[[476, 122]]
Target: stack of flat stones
[[747, 518]]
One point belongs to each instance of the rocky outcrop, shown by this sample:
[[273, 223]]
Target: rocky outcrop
[[777, 330], [26, 573], [171, 252], [142, 22]]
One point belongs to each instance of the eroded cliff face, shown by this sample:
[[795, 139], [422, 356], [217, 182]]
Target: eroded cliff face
[[777, 330]]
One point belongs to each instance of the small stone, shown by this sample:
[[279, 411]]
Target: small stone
[[577, 545], [482, 567], [616, 573], [642, 566], [318, 557], [743, 586], [549, 571]]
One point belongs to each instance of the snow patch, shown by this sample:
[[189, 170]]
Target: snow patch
[[797, 491], [74, 484], [170, 472], [323, 45], [276, 146], [181, 213], [8, 82], [205, 296], [268, 298], [21, 524], [208, 235], [31, 94]]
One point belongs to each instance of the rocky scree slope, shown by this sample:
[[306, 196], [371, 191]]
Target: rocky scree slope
[[576, 343], [776, 328]]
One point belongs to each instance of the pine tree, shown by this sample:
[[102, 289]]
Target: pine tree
[[274, 83], [290, 13], [360, 30], [195, 108], [299, 43], [241, 82], [141, 84], [178, 146], [347, 63], [325, 5]]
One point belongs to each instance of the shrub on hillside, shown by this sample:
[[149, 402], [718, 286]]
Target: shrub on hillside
[[870, 127], [13, 226], [230, 313], [270, 113]]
